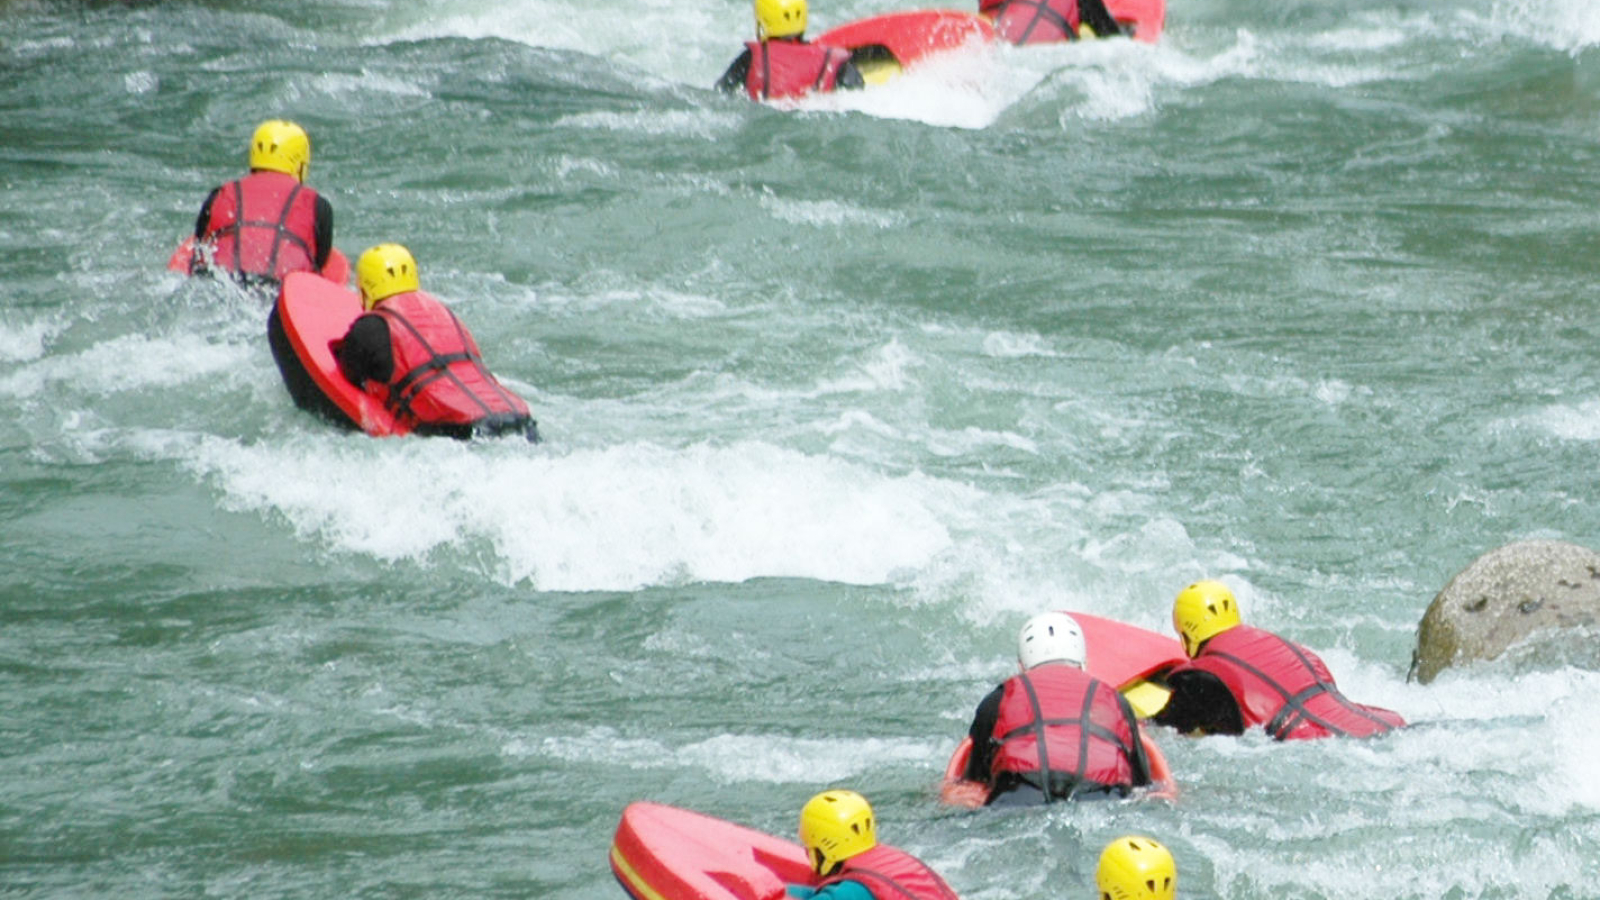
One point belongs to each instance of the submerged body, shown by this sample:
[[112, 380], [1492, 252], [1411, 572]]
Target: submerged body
[[1248, 677], [1049, 21], [786, 69], [1240, 677]]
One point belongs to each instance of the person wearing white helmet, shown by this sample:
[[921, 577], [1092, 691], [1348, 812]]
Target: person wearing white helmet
[[780, 63], [269, 223], [1053, 731]]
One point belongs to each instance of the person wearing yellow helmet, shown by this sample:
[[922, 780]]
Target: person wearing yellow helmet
[[1134, 867], [780, 63], [269, 223], [1240, 677], [840, 837], [1052, 731], [411, 352], [1049, 21]]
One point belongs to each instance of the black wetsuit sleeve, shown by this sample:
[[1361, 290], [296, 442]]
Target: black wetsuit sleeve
[[981, 761], [849, 78], [1200, 702], [1137, 758], [1094, 14], [205, 214], [323, 231], [732, 81], [365, 353]]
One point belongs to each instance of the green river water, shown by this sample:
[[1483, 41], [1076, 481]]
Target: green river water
[[834, 398]]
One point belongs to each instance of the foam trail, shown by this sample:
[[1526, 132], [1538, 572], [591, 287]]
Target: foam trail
[[617, 518], [1570, 25]]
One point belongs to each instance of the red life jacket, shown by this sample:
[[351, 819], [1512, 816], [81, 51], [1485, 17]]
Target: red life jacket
[[262, 224], [439, 377], [1285, 688], [892, 874], [1058, 719], [1033, 21], [783, 68]]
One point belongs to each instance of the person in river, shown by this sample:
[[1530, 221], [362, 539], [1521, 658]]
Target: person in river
[[1047, 21], [269, 223], [1053, 731], [1134, 867], [840, 837], [410, 351], [1241, 677], [781, 63]]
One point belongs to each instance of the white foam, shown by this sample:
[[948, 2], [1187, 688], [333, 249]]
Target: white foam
[[1090, 81], [702, 123], [672, 41], [142, 82], [1371, 46], [617, 518], [342, 84], [1567, 422], [1571, 782], [126, 364], [1009, 345], [767, 758], [782, 759], [566, 166], [1570, 25], [828, 213], [24, 341], [970, 87], [652, 302], [888, 369], [962, 88]]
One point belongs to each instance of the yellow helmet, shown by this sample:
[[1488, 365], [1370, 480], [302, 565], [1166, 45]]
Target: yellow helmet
[[280, 146], [834, 826], [1201, 611], [780, 18], [383, 271], [1136, 868]]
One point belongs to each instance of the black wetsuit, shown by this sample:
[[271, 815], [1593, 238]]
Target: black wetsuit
[[1200, 703], [366, 354]]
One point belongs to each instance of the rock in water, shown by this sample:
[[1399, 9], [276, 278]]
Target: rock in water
[[1544, 588]]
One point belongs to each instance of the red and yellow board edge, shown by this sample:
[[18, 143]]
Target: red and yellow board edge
[[313, 313], [663, 852]]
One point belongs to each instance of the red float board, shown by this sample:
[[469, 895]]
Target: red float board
[[912, 34], [314, 312], [663, 852], [1144, 18], [1122, 654]]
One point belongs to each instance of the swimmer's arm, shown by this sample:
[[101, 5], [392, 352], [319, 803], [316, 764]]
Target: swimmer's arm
[[1200, 704], [732, 81]]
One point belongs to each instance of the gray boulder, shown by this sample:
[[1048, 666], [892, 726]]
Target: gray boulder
[[1538, 599]]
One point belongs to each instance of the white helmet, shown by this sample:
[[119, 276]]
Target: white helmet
[[1051, 637]]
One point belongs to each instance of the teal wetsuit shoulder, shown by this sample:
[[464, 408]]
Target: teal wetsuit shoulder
[[840, 890]]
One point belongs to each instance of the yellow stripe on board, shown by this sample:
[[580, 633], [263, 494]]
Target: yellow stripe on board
[[640, 888], [878, 71], [1146, 698]]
